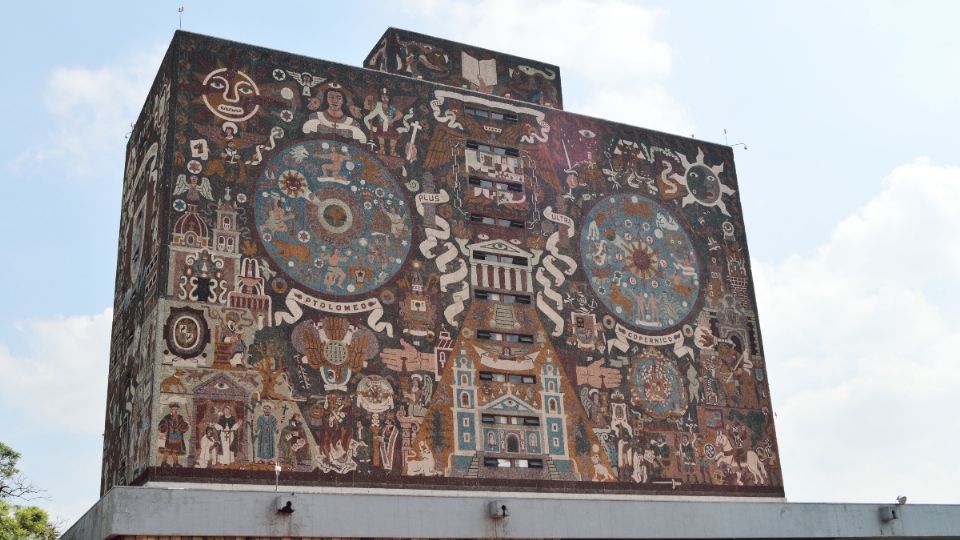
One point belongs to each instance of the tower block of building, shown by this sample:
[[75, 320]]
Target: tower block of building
[[423, 273]]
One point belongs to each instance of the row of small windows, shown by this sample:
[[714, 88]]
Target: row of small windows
[[505, 463], [491, 149], [501, 297], [493, 115], [500, 222], [504, 336], [511, 420], [503, 377], [486, 256], [551, 407], [499, 186]]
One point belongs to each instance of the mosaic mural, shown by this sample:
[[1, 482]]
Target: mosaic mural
[[130, 395], [433, 59], [374, 279]]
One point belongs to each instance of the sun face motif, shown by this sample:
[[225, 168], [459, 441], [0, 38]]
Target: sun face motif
[[642, 261], [292, 183], [230, 94], [703, 183]]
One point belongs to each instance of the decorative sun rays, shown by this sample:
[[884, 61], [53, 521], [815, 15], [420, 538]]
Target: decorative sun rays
[[642, 261], [703, 183]]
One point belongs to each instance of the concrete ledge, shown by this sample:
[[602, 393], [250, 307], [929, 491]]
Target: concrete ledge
[[174, 511]]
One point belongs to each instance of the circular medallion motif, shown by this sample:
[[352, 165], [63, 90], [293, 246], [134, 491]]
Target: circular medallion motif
[[658, 387], [186, 332], [332, 217], [374, 394], [640, 261]]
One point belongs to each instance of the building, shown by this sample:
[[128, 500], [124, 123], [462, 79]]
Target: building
[[424, 271], [420, 288], [424, 275]]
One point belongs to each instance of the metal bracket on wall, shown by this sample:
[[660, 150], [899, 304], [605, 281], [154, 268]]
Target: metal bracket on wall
[[497, 509]]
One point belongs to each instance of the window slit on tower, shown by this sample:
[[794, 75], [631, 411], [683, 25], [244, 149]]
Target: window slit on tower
[[486, 256], [492, 115], [507, 463], [499, 185], [504, 377], [503, 298], [500, 222], [510, 420], [504, 336], [492, 149]]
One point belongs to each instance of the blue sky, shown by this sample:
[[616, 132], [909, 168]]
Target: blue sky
[[850, 188]]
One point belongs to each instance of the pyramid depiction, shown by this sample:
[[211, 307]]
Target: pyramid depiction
[[423, 273]]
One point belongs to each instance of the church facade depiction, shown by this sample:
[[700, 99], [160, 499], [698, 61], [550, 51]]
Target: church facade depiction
[[424, 273]]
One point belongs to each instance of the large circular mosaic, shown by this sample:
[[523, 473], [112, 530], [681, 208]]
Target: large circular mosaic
[[640, 261], [657, 386], [332, 217]]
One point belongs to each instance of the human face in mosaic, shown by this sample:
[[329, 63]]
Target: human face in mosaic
[[334, 106], [230, 94]]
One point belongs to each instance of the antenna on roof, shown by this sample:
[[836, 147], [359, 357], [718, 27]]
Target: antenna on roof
[[727, 142], [180, 16]]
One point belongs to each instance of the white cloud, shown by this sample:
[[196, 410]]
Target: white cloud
[[862, 339], [607, 50], [650, 106], [90, 111], [60, 382]]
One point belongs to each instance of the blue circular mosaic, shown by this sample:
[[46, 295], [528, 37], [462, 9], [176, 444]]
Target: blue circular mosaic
[[332, 217], [640, 261]]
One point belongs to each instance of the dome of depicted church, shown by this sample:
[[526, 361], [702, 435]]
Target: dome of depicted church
[[190, 229]]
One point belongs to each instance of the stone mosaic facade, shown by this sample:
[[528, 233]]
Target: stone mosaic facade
[[433, 59], [373, 279]]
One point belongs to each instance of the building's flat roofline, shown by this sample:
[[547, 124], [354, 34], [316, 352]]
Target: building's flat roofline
[[410, 34], [239, 510], [183, 34]]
